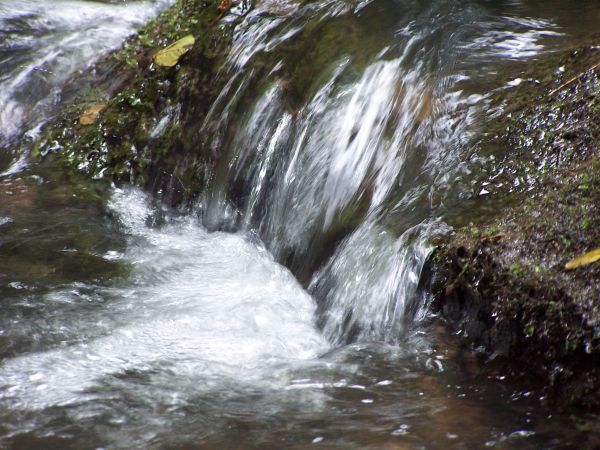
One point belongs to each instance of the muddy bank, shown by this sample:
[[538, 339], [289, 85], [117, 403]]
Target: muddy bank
[[501, 281]]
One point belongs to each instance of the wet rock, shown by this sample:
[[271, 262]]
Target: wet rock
[[502, 282], [141, 135]]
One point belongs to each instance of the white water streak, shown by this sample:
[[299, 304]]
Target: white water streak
[[50, 42]]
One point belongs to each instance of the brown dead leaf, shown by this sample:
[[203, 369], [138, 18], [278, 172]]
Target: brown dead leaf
[[91, 114], [224, 5]]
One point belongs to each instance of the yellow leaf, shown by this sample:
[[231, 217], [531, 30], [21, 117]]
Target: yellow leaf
[[224, 5], [169, 56], [588, 258], [91, 114]]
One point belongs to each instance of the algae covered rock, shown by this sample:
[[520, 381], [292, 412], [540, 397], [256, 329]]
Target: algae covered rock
[[135, 127], [502, 281]]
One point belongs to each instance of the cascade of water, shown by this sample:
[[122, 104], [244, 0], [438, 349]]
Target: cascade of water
[[370, 138], [339, 134], [333, 145]]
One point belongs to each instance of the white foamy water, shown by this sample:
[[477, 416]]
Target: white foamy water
[[366, 142], [199, 309]]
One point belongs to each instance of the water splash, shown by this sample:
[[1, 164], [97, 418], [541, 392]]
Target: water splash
[[379, 302], [202, 306], [371, 141]]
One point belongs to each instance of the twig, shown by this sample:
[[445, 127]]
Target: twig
[[568, 82]]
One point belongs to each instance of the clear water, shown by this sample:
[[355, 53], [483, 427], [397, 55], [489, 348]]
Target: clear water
[[282, 310]]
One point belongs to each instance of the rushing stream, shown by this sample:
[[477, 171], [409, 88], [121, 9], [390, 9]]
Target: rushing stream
[[283, 309]]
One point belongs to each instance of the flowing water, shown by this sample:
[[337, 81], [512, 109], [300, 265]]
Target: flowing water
[[283, 309]]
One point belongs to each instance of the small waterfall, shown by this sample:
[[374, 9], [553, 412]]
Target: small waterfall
[[370, 285], [339, 180], [339, 134], [282, 308]]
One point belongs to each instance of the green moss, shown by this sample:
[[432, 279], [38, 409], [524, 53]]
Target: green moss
[[120, 145], [530, 309], [585, 223], [516, 269], [530, 329]]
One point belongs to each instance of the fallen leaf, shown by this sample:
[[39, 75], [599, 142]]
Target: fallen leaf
[[224, 5], [588, 258], [91, 114], [169, 56]]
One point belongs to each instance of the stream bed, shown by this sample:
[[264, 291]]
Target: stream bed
[[282, 309]]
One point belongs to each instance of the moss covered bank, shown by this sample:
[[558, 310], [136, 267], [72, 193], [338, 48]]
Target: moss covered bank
[[502, 280], [142, 134]]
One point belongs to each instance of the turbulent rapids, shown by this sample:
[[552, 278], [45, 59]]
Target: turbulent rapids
[[282, 306], [182, 309]]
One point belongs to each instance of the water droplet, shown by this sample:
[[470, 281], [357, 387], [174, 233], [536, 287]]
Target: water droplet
[[515, 82]]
